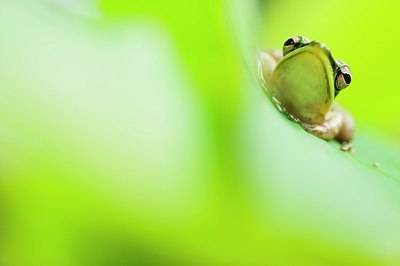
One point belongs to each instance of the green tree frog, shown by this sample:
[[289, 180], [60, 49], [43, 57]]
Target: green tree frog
[[303, 81]]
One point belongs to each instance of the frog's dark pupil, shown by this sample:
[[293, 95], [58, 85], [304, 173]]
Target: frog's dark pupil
[[289, 42], [347, 78]]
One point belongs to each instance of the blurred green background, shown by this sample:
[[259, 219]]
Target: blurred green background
[[135, 133]]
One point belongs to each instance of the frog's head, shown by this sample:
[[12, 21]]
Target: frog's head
[[307, 79], [341, 70]]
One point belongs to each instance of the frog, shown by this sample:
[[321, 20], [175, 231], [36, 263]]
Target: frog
[[303, 80]]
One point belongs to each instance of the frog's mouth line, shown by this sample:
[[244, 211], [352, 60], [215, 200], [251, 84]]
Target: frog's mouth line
[[332, 61], [327, 51]]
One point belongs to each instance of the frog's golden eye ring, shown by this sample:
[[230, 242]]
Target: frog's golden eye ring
[[343, 78], [293, 43], [290, 45]]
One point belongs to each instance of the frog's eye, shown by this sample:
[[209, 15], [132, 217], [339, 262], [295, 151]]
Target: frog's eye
[[343, 78], [293, 43]]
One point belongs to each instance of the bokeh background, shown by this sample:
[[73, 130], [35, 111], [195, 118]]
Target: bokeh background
[[136, 133]]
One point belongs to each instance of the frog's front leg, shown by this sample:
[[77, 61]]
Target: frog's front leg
[[338, 125], [329, 129], [267, 61], [346, 131]]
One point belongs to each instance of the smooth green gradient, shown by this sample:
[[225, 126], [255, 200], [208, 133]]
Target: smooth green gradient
[[135, 133]]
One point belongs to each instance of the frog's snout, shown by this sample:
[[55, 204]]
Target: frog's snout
[[326, 49], [322, 46]]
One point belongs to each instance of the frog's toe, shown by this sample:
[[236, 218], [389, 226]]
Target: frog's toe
[[347, 130]]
